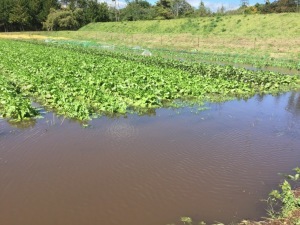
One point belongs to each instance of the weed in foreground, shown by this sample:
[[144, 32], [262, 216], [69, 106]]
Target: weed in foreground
[[284, 205]]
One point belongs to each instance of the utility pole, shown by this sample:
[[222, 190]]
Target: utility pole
[[116, 9]]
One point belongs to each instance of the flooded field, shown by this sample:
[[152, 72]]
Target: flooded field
[[212, 165]]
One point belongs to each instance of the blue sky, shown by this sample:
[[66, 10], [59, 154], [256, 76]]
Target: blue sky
[[215, 4], [212, 4]]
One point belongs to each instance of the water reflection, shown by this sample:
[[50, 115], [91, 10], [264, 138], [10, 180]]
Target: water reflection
[[293, 105], [25, 124], [259, 97]]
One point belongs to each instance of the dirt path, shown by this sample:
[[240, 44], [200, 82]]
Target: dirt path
[[26, 36]]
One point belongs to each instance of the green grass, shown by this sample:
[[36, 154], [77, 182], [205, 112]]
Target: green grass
[[258, 25], [272, 35]]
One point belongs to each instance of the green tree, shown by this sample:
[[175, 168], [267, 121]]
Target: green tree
[[164, 9], [61, 20], [19, 16], [34, 9], [46, 6], [137, 10], [202, 10], [103, 11], [221, 10], [5, 8], [284, 6], [93, 11], [24, 14], [72, 5], [181, 8], [81, 3]]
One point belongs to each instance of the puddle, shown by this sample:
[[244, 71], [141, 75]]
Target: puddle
[[213, 165]]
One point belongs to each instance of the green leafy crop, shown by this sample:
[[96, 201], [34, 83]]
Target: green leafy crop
[[12, 103], [81, 82]]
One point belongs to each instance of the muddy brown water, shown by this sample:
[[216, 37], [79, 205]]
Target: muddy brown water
[[212, 165]]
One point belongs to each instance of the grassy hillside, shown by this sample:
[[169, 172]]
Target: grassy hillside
[[271, 25], [272, 35]]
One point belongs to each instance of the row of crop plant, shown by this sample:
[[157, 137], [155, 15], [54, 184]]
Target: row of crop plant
[[81, 83]]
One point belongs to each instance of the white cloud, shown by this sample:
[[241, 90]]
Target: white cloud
[[194, 3], [214, 6], [120, 4]]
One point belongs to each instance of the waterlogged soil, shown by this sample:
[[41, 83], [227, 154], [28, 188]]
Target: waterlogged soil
[[212, 165], [285, 71], [274, 69]]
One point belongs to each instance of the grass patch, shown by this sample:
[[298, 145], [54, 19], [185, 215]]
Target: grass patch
[[272, 34], [270, 25]]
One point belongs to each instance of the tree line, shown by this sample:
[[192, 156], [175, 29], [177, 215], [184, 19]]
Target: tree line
[[19, 15]]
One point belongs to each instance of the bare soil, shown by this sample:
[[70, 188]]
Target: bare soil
[[26, 36]]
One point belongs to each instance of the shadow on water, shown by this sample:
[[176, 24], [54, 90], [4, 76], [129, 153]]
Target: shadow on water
[[294, 104], [23, 124], [211, 165]]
